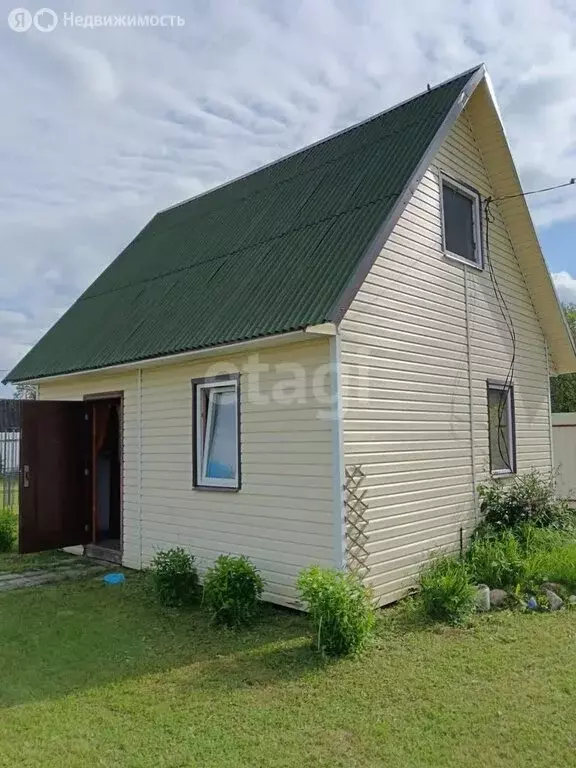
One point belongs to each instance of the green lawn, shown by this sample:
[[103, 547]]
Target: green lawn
[[14, 563], [100, 676]]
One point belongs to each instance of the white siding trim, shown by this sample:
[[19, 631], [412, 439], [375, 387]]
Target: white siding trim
[[338, 470], [139, 462]]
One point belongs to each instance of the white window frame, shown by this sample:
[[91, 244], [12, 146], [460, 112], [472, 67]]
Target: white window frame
[[511, 432], [471, 194], [203, 435]]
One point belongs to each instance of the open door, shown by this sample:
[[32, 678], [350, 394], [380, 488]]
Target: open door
[[55, 475]]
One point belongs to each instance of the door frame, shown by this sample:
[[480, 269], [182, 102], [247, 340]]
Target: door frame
[[94, 397]]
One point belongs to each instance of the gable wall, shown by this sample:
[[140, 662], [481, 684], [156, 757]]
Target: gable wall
[[282, 517], [419, 341]]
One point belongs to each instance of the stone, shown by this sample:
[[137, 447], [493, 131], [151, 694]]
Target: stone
[[498, 598], [551, 586], [554, 602], [482, 599], [572, 600]]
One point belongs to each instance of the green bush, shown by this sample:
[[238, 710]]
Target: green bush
[[7, 530], [232, 588], [175, 577], [446, 591], [340, 608], [529, 498]]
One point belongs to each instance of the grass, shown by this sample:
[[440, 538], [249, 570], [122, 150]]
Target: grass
[[14, 496], [14, 563], [526, 558], [95, 675]]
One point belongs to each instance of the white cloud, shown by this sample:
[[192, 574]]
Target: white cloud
[[93, 69], [566, 287], [103, 126]]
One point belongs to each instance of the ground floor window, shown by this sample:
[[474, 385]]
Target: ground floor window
[[501, 428], [216, 433]]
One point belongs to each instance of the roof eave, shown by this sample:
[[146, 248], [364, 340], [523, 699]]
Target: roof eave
[[522, 232], [308, 333]]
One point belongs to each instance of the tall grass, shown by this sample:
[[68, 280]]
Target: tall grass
[[498, 561], [555, 565], [522, 558], [8, 530], [446, 591]]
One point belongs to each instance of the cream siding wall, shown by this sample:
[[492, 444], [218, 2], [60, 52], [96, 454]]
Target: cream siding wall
[[282, 517], [419, 341]]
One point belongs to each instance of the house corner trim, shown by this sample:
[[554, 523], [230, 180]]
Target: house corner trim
[[338, 479]]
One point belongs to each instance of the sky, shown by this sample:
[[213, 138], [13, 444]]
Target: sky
[[103, 126]]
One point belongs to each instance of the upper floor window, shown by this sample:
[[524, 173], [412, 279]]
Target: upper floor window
[[461, 222]]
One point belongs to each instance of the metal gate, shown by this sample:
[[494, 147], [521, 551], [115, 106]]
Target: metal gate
[[10, 424]]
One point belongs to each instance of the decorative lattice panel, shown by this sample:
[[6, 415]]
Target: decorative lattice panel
[[356, 521]]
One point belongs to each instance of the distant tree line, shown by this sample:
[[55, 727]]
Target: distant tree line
[[25, 391]]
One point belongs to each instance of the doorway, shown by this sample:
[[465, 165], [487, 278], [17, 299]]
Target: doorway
[[106, 476]]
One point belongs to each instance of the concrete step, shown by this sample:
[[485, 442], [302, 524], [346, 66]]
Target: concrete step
[[103, 553]]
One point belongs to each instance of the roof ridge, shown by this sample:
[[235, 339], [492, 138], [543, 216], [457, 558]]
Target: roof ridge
[[319, 142]]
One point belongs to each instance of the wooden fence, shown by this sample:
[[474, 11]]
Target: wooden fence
[[564, 436]]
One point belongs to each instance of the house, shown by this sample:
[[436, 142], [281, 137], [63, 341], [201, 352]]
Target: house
[[316, 362]]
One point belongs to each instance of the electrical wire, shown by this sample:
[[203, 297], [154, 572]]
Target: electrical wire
[[570, 183], [506, 452]]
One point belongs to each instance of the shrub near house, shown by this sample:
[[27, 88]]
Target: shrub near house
[[232, 589], [175, 578], [340, 608]]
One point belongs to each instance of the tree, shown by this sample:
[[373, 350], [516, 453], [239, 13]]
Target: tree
[[563, 388], [25, 391]]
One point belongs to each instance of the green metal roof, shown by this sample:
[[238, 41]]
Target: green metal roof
[[271, 252]]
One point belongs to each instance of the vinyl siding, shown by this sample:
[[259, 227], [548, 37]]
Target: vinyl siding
[[414, 381], [282, 517]]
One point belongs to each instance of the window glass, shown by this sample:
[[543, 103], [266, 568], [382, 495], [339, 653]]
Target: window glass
[[221, 449], [459, 227], [501, 429]]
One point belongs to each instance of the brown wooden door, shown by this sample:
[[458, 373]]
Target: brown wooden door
[[55, 482]]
